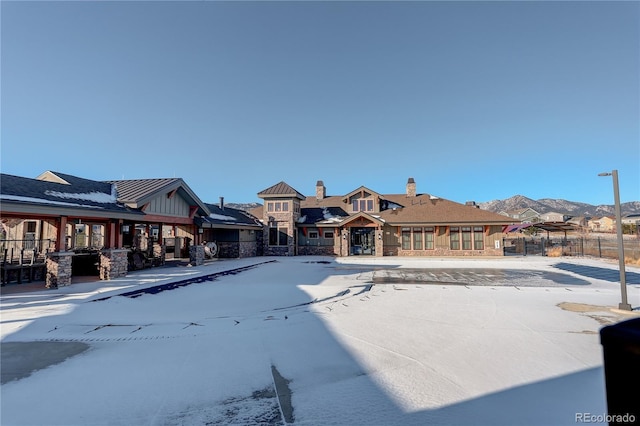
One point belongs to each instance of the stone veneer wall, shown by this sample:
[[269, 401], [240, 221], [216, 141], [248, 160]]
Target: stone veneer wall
[[316, 251], [196, 255], [114, 263], [248, 249], [160, 251], [228, 250], [344, 248], [234, 250], [379, 234], [58, 269]]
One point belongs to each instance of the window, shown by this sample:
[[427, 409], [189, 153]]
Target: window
[[478, 238], [417, 238], [466, 238], [428, 238], [362, 205], [97, 238], [313, 235], [278, 206], [454, 238], [328, 234], [406, 238], [29, 235], [278, 236]]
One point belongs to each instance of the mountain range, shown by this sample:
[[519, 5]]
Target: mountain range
[[544, 205], [549, 205]]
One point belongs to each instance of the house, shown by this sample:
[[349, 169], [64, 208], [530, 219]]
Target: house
[[167, 228], [602, 224], [74, 226], [631, 219], [525, 215], [365, 222], [580, 222], [68, 223], [555, 217]]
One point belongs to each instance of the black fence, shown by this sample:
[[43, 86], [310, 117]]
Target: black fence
[[23, 260], [571, 246]]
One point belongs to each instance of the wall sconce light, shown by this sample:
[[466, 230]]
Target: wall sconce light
[[379, 236], [344, 236]]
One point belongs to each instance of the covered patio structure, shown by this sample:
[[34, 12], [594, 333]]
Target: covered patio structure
[[58, 226]]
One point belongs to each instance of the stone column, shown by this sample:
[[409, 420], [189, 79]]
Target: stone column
[[113, 263], [379, 235], [196, 255], [58, 269], [160, 252], [344, 248]]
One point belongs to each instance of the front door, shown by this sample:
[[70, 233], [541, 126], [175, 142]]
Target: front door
[[362, 241]]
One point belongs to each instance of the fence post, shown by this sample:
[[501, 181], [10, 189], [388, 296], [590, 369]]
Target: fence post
[[599, 248]]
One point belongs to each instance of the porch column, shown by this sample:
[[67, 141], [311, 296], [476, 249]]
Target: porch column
[[379, 236], [344, 247], [196, 255], [113, 263], [61, 234], [58, 269]]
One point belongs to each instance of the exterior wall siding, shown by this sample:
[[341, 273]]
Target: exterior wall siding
[[174, 206]]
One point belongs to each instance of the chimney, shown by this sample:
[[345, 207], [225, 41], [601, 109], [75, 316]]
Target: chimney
[[221, 203], [411, 187], [472, 204], [321, 191]]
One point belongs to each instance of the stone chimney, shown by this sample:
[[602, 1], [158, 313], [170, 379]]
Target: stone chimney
[[221, 203], [472, 204], [411, 187], [321, 191]]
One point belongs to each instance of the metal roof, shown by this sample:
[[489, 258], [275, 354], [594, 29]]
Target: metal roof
[[280, 189]]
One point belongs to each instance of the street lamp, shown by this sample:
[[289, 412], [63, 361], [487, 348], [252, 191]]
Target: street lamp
[[623, 279]]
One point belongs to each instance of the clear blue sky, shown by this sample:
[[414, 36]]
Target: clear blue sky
[[475, 100]]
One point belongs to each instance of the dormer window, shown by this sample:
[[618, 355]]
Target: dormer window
[[362, 205]]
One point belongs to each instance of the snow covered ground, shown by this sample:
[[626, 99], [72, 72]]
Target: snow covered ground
[[356, 341]]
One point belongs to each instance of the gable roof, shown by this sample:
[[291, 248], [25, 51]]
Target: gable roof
[[361, 189], [426, 209], [77, 197], [420, 210], [280, 190], [137, 192]]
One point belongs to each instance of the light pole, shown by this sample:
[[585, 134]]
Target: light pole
[[623, 279]]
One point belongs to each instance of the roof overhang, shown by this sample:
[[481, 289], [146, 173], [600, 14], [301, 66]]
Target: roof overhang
[[362, 215], [555, 226], [50, 210], [209, 224]]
